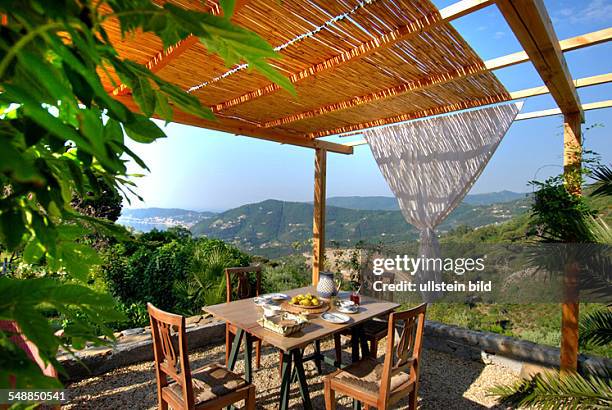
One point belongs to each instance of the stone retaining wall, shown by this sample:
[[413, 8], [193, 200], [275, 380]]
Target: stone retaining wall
[[134, 346], [521, 356], [525, 358]]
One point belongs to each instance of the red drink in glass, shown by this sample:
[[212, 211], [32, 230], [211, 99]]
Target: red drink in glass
[[355, 298]]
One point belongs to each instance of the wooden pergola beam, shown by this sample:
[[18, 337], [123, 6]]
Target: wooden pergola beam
[[579, 83], [440, 109], [570, 308], [244, 130], [528, 116], [414, 28], [569, 44], [318, 223], [162, 59], [529, 92], [439, 79], [531, 24]]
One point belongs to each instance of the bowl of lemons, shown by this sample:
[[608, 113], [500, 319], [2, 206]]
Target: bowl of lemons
[[306, 301]]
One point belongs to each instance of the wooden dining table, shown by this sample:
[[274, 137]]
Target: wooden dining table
[[244, 314]]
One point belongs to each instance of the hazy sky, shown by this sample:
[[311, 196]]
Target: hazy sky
[[201, 169]]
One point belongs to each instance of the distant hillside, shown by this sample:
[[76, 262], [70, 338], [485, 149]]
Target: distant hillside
[[389, 203], [494, 197], [270, 227], [372, 203], [146, 219]]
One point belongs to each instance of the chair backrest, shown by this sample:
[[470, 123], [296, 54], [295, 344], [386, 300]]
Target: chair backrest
[[403, 349], [244, 288], [170, 349]]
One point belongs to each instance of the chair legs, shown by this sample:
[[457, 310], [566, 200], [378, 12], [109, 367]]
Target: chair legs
[[338, 349], [413, 399], [257, 354], [229, 339], [330, 396], [373, 347], [250, 401]]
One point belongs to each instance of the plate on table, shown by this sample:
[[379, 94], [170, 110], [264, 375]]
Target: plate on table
[[275, 296], [348, 309], [336, 318], [261, 300]]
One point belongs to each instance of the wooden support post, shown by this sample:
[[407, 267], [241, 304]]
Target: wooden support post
[[572, 163], [318, 225]]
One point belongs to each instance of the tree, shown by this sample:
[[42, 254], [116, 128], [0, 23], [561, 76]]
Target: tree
[[62, 133], [564, 217], [105, 202]]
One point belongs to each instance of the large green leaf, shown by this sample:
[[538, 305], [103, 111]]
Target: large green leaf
[[143, 130]]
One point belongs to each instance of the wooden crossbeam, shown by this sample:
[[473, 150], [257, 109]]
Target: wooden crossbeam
[[557, 111], [527, 116], [245, 130], [441, 109], [531, 24], [162, 59], [439, 79], [574, 43], [529, 92], [414, 28], [579, 83]]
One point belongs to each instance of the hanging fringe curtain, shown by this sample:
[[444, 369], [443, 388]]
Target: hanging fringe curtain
[[431, 164]]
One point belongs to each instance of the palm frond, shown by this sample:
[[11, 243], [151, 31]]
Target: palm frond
[[599, 230], [603, 180], [551, 391], [596, 328]]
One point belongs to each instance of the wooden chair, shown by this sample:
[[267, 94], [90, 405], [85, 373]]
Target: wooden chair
[[209, 387], [383, 384], [373, 331], [243, 290]]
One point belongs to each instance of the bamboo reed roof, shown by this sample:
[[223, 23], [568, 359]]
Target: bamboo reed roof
[[355, 64]]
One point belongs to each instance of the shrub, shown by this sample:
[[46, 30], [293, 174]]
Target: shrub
[[286, 273], [170, 270]]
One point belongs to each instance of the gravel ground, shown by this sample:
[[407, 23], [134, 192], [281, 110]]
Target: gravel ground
[[445, 383]]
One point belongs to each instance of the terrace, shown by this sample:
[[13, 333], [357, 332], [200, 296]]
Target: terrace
[[357, 66], [416, 65]]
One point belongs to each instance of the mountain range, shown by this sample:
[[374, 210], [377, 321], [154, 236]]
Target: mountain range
[[389, 203], [272, 227]]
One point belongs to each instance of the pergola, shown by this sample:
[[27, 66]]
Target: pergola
[[360, 64]]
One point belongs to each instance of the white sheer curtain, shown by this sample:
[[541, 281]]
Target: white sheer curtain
[[431, 164]]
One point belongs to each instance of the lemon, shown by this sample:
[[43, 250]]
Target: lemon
[[306, 302], [294, 300], [315, 302]]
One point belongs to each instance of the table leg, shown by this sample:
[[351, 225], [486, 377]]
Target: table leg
[[248, 357], [318, 357], [285, 381], [354, 344], [365, 350], [299, 367], [235, 349], [355, 338]]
